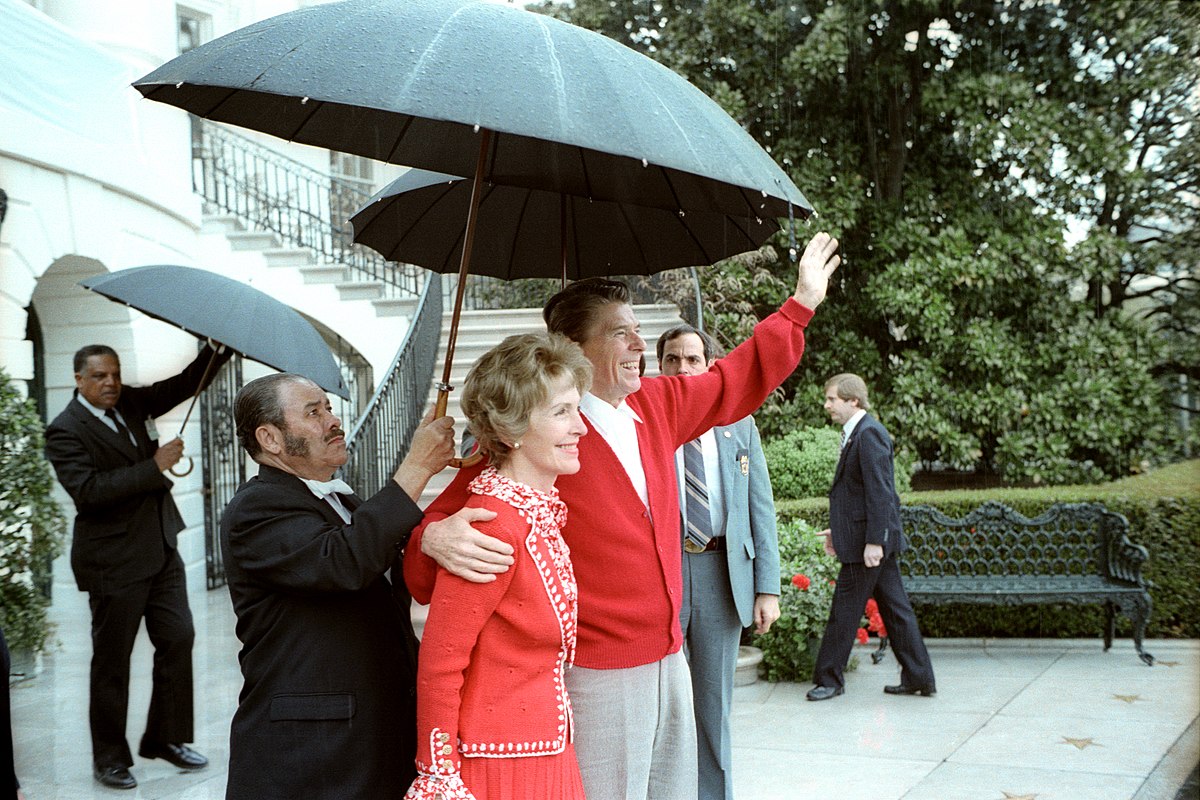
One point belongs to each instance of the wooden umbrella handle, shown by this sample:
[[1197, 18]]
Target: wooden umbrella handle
[[191, 466], [439, 410]]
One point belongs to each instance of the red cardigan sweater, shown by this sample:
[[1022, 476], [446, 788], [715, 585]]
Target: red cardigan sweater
[[492, 661], [627, 557]]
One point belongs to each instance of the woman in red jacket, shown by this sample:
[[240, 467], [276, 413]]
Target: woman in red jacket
[[493, 716]]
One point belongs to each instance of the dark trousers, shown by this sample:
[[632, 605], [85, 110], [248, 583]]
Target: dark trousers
[[855, 584], [8, 774], [116, 618]]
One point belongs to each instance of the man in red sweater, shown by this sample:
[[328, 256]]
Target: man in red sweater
[[630, 686]]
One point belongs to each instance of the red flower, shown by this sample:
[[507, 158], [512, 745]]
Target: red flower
[[801, 582], [872, 607], [861, 636]]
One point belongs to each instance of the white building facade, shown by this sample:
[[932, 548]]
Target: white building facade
[[99, 179]]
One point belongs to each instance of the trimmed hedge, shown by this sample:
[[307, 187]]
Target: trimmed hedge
[[1163, 509]]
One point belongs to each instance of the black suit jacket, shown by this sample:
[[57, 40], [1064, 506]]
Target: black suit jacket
[[327, 708], [863, 505], [126, 521]]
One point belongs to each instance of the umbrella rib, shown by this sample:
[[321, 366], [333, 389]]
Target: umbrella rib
[[431, 209], [630, 226], [399, 138], [302, 123], [512, 250], [674, 194], [583, 167]]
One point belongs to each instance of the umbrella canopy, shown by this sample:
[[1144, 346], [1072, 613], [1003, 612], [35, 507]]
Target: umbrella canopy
[[414, 83], [238, 316], [531, 233]]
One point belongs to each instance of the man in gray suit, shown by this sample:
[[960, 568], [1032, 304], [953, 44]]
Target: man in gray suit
[[730, 562]]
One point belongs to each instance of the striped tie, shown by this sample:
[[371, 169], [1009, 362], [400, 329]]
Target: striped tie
[[698, 529]]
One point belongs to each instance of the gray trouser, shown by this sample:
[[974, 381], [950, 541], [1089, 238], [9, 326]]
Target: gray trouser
[[635, 731]]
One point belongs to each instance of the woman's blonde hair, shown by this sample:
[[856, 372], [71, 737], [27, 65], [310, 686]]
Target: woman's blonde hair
[[512, 379]]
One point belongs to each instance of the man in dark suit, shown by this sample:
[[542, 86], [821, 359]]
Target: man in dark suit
[[731, 581], [865, 535], [327, 707], [9, 785], [104, 448]]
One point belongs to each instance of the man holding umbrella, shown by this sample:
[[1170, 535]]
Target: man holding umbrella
[[105, 451], [630, 686]]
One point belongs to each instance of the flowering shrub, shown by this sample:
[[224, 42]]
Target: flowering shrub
[[31, 524], [808, 580], [874, 622]]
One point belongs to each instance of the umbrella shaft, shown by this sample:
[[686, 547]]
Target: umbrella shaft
[[464, 264]]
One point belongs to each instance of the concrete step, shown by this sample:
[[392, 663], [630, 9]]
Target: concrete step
[[252, 240], [360, 290], [221, 223], [395, 306], [323, 273], [289, 257]]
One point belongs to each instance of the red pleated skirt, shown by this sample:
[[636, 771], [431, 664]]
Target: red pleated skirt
[[528, 778]]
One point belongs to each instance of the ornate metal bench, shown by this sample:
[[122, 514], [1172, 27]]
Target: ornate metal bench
[[1077, 553]]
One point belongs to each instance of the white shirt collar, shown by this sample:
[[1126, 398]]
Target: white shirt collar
[[602, 412], [617, 425], [99, 412], [852, 423], [102, 415], [328, 491]]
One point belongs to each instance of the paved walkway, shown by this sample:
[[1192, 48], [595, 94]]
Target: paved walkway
[[1017, 719]]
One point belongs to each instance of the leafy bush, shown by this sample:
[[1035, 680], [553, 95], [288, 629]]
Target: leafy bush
[[802, 463], [789, 650], [31, 524]]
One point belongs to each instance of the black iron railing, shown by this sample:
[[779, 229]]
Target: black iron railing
[[384, 433], [302, 206]]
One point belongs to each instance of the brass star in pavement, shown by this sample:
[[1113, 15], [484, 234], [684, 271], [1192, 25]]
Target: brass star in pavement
[[1127, 698], [1081, 743], [1008, 796]]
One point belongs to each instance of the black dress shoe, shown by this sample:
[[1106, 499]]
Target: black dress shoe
[[824, 692], [180, 755], [114, 777], [926, 691]]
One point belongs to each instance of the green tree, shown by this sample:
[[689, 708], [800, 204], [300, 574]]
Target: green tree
[[956, 148]]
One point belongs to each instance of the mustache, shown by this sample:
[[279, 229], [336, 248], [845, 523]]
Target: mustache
[[333, 434]]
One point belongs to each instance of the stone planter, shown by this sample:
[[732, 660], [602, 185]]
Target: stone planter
[[747, 665]]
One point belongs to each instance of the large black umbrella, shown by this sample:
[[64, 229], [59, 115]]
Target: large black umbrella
[[418, 82], [468, 87], [532, 233], [231, 313]]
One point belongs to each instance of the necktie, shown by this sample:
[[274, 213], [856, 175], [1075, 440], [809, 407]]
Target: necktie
[[698, 527], [842, 446], [121, 429]]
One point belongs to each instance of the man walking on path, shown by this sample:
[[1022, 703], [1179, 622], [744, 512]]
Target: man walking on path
[[865, 535]]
